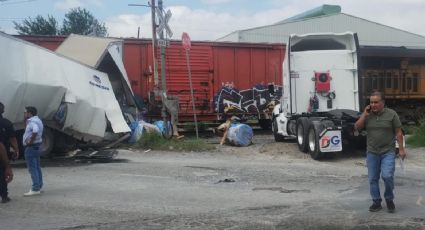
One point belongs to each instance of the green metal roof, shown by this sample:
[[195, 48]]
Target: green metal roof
[[316, 12]]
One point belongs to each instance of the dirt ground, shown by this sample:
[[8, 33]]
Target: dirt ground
[[267, 185]]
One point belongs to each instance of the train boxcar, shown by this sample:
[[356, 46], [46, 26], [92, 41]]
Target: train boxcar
[[245, 78], [228, 78]]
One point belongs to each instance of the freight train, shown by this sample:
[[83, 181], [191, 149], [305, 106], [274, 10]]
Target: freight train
[[245, 79], [400, 75]]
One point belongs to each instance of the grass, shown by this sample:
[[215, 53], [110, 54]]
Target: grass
[[417, 139], [155, 141], [191, 126]]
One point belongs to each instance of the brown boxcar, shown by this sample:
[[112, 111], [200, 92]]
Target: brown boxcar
[[236, 78]]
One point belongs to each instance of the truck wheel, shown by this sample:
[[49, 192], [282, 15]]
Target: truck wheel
[[302, 131], [64, 143], [277, 136], [48, 142], [313, 142]]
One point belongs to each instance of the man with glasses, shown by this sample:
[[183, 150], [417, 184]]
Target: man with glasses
[[32, 141]]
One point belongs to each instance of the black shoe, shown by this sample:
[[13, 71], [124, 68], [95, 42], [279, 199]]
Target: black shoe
[[375, 207], [390, 206], [5, 200]]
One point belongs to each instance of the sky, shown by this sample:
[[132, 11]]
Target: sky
[[210, 19]]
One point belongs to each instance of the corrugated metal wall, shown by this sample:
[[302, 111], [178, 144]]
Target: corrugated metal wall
[[247, 66], [178, 76]]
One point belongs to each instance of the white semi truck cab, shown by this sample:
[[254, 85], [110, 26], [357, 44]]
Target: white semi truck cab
[[320, 101]]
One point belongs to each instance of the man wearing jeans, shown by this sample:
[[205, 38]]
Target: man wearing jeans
[[383, 126], [32, 140]]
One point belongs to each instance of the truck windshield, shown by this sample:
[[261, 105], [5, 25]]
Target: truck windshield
[[318, 44]]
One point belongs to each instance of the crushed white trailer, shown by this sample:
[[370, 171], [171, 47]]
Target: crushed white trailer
[[81, 96], [320, 101]]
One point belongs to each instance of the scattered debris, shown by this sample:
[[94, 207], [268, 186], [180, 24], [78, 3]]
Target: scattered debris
[[138, 128], [282, 190], [227, 180], [235, 133], [202, 167], [96, 155], [121, 139]]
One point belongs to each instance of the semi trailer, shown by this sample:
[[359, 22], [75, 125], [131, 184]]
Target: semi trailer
[[78, 104]]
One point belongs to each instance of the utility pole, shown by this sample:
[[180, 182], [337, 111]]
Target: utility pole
[[152, 5], [163, 72], [163, 19], [155, 65]]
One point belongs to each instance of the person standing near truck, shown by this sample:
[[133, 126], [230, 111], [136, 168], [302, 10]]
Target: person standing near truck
[[8, 136], [32, 141], [6, 174], [7, 139], [383, 127]]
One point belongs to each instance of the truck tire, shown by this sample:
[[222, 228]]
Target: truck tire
[[64, 143], [302, 133], [277, 136], [313, 141], [48, 142]]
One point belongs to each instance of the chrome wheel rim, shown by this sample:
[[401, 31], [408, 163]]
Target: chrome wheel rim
[[300, 134]]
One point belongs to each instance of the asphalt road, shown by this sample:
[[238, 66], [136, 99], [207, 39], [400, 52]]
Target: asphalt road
[[265, 186]]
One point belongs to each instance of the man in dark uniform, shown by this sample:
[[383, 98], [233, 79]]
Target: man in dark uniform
[[7, 139], [8, 136], [6, 174]]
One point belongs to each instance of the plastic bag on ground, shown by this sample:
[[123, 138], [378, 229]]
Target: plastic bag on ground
[[138, 128], [160, 125], [240, 134], [136, 132]]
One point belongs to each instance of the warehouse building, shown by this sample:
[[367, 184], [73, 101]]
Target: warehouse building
[[391, 60], [328, 18]]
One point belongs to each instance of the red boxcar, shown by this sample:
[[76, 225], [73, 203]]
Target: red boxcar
[[238, 78]]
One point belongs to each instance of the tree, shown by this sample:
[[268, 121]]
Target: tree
[[77, 21], [39, 25], [81, 21]]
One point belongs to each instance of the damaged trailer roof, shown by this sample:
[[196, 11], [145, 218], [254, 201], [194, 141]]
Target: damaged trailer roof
[[32, 75], [103, 54]]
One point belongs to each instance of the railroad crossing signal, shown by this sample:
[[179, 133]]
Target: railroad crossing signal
[[163, 20], [163, 43]]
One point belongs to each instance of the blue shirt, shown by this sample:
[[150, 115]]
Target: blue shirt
[[34, 125]]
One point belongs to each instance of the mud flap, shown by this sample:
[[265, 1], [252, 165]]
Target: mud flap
[[330, 141]]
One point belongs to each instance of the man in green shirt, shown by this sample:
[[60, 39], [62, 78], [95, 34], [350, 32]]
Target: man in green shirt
[[383, 126]]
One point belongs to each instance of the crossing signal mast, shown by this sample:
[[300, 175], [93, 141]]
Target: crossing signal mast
[[161, 29], [163, 42]]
